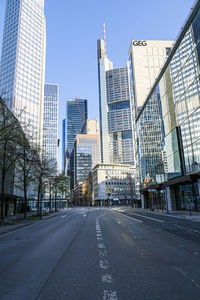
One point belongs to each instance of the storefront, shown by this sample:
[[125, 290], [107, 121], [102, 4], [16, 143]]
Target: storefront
[[187, 197]]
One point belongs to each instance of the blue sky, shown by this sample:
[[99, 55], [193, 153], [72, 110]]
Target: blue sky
[[73, 28]]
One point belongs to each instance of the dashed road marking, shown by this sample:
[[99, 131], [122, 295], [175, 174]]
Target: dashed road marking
[[106, 279], [104, 264], [109, 295], [64, 216], [101, 246]]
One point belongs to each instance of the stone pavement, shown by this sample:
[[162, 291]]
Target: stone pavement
[[20, 223]]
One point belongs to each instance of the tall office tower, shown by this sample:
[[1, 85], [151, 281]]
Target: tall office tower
[[63, 144], [50, 120], [76, 116], [145, 61], [22, 66], [115, 113], [86, 155]]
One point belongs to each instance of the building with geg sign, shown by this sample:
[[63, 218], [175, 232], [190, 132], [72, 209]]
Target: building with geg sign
[[146, 57], [168, 127]]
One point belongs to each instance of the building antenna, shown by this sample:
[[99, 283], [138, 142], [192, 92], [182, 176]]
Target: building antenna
[[104, 36]]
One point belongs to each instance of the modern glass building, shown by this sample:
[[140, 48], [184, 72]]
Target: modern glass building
[[86, 155], [50, 120], [76, 116], [63, 144], [168, 127], [23, 62], [146, 58], [115, 113]]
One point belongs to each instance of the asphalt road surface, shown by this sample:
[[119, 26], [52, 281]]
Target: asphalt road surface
[[102, 253]]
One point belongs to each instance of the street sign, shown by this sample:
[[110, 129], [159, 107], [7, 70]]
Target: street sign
[[107, 189]]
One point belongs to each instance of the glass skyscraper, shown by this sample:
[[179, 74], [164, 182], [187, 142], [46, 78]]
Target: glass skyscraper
[[50, 120], [63, 144], [86, 155], [23, 62], [115, 112], [77, 113], [76, 117], [168, 127]]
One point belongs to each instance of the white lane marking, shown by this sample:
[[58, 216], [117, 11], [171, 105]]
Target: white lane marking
[[185, 275], [186, 228], [101, 246], [109, 295], [107, 278], [118, 222], [130, 217], [84, 215], [142, 216], [104, 264], [102, 253], [100, 239], [64, 216], [99, 234]]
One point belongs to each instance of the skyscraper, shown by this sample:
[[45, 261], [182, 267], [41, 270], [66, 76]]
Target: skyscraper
[[146, 58], [76, 117], [50, 120], [145, 61], [115, 113], [63, 144], [22, 66], [86, 155]]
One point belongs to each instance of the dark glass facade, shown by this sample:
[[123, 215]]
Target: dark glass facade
[[77, 113], [168, 125]]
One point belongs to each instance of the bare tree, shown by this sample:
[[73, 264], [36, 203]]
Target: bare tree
[[9, 132], [59, 182], [26, 159], [43, 172]]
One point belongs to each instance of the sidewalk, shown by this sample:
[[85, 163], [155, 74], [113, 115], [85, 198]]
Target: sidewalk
[[20, 223], [195, 216]]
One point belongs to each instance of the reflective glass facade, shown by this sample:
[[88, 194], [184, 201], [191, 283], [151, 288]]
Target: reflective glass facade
[[77, 114], [23, 61], [50, 120], [168, 126], [87, 155]]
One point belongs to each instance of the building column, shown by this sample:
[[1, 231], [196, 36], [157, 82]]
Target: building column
[[198, 183], [170, 198], [142, 200]]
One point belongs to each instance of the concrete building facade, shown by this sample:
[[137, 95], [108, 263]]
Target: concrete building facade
[[113, 183]]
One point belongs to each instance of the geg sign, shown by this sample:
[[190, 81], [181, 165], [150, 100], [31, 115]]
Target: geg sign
[[139, 43]]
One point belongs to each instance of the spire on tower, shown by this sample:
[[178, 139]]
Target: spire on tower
[[104, 36]]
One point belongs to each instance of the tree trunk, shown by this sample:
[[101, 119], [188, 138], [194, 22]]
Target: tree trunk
[[55, 200], [25, 201], [50, 200], [2, 193]]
